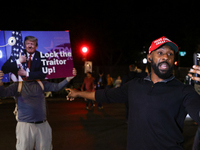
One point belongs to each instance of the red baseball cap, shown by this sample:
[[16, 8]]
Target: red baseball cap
[[159, 42]]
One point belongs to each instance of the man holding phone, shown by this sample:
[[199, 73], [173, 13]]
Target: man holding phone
[[194, 74], [158, 104]]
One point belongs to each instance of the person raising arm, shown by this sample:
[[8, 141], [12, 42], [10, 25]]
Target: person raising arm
[[85, 94], [158, 103], [31, 106]]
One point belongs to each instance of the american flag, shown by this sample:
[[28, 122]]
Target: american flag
[[18, 47]]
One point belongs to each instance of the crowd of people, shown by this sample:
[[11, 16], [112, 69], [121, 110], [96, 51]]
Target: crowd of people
[[158, 94], [99, 82]]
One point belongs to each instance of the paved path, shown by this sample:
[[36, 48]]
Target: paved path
[[75, 128]]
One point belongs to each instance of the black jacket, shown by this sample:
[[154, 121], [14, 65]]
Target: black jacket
[[36, 67], [103, 82], [156, 111]]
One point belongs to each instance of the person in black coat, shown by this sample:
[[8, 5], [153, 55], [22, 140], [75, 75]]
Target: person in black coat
[[134, 72], [100, 83]]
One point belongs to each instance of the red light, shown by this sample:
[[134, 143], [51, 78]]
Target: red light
[[175, 63], [84, 49]]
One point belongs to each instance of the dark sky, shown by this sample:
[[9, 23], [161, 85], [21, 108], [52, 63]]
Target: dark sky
[[111, 28]]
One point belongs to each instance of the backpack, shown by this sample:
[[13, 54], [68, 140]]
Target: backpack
[[19, 89]]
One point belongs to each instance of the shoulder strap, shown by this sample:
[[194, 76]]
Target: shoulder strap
[[19, 87], [41, 84]]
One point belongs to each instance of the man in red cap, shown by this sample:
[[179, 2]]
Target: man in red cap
[[158, 104]]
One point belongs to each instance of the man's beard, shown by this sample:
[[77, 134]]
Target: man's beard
[[161, 75]]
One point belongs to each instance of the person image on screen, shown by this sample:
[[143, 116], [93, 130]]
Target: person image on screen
[[31, 57]]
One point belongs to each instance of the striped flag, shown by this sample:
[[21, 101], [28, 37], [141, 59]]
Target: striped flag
[[17, 48]]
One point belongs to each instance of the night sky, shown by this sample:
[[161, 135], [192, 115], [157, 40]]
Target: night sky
[[116, 32]]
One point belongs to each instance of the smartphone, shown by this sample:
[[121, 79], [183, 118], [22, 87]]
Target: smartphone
[[196, 58]]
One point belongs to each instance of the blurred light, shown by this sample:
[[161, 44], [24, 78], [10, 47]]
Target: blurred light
[[1, 55], [182, 53], [144, 60], [84, 49], [175, 63]]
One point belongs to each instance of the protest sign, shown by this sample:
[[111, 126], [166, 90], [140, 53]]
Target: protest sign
[[52, 57]]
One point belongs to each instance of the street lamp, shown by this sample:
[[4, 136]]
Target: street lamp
[[84, 50], [87, 64]]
